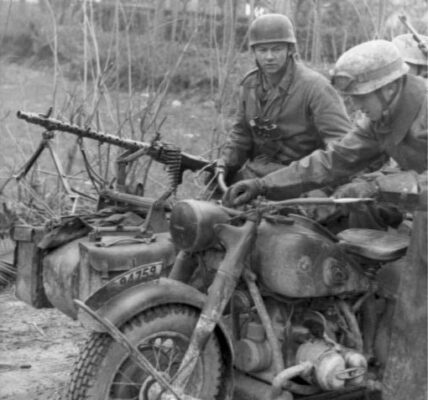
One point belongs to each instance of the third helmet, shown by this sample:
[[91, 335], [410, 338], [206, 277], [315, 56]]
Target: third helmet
[[409, 50]]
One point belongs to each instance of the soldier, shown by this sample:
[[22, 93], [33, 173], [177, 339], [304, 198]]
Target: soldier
[[286, 110], [412, 54], [395, 103]]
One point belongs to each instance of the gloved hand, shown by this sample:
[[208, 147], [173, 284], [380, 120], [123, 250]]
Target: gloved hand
[[358, 189], [242, 192]]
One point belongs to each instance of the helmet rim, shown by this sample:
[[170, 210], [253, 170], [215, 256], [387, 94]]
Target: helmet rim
[[369, 66]]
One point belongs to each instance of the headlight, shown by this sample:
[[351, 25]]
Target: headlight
[[192, 224]]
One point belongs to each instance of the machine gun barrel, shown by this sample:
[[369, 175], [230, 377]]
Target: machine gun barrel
[[157, 149]]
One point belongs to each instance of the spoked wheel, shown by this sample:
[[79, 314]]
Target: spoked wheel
[[162, 334]]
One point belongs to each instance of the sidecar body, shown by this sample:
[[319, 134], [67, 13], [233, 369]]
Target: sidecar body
[[53, 268]]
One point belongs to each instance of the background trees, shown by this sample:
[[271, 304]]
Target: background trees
[[155, 29], [124, 57], [123, 66]]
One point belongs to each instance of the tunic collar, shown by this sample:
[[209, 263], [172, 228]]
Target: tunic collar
[[286, 80]]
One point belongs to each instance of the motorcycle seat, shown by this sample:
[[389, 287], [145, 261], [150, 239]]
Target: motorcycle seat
[[374, 244]]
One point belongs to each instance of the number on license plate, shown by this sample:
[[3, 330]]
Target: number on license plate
[[140, 274]]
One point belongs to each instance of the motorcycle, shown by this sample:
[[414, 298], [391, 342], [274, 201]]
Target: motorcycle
[[259, 303], [199, 301]]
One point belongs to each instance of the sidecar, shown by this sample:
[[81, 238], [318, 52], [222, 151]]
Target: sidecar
[[77, 256]]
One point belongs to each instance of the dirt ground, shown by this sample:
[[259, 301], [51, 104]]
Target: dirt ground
[[37, 349]]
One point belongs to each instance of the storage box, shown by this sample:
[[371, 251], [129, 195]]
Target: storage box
[[28, 264]]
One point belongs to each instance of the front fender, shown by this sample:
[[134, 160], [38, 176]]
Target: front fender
[[127, 304], [123, 306]]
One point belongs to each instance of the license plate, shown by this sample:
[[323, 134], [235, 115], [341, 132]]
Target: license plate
[[136, 276], [139, 274]]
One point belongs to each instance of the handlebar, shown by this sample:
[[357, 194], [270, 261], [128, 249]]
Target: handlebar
[[319, 201], [263, 207], [221, 182]]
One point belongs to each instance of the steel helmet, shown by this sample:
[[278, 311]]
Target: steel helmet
[[271, 28], [409, 49], [367, 67]]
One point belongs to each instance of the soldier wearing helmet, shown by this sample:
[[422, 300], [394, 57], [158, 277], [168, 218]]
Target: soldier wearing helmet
[[394, 102], [285, 111], [412, 53]]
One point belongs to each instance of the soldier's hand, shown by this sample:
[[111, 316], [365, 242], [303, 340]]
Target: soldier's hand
[[242, 192]]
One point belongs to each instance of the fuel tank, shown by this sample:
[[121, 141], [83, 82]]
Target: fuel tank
[[296, 257]]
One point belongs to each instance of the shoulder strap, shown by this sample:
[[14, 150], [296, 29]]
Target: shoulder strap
[[248, 75]]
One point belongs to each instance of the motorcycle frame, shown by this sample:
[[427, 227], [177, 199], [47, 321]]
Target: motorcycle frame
[[238, 242]]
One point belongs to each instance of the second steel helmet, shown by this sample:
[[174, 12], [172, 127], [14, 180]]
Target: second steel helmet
[[409, 49], [271, 28], [367, 67]]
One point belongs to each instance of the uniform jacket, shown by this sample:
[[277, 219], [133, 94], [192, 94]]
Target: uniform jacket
[[305, 108], [402, 136]]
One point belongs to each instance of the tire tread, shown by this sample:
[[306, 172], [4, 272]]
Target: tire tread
[[86, 367]]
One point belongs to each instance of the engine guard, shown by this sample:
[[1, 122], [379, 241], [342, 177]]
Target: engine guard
[[123, 306]]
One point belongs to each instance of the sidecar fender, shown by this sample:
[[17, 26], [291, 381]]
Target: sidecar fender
[[125, 305]]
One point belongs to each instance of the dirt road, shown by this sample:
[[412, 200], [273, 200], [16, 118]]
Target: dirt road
[[37, 350]]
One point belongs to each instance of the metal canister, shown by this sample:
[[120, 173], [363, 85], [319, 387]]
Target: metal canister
[[356, 365], [328, 364]]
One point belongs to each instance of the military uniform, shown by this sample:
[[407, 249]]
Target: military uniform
[[275, 126], [402, 136]]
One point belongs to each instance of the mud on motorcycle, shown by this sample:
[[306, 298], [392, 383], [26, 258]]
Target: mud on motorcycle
[[284, 309]]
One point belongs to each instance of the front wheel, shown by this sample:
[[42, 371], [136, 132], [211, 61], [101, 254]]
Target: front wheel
[[105, 372]]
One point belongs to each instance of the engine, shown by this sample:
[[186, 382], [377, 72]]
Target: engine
[[320, 346]]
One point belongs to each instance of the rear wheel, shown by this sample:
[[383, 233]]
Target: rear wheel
[[162, 334]]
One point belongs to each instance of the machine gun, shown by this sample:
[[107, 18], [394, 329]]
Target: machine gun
[[422, 46], [170, 155]]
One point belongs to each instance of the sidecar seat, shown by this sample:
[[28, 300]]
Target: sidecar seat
[[374, 244]]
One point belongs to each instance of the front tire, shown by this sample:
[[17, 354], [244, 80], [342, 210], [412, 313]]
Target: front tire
[[105, 372]]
